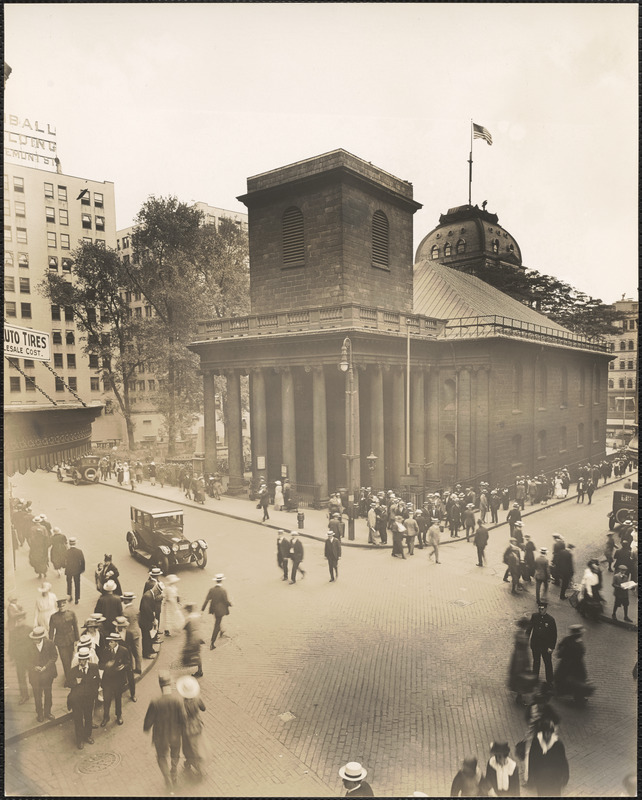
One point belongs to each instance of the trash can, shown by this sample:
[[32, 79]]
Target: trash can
[[300, 517]]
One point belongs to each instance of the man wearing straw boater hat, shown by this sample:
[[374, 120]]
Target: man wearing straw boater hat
[[353, 775], [85, 681], [42, 671], [219, 605]]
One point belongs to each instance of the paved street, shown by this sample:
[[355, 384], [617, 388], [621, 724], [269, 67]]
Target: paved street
[[400, 666]]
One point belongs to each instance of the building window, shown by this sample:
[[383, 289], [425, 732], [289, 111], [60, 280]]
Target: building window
[[7, 233], [380, 240], [21, 210], [580, 434], [73, 383], [25, 310], [86, 239], [7, 207], [21, 235], [23, 260], [622, 344], [10, 309], [541, 444], [622, 365], [611, 365], [447, 249], [60, 386], [100, 223], [128, 297], [449, 449], [8, 258], [126, 259], [50, 214], [631, 344], [66, 264], [58, 360], [62, 194], [516, 446], [141, 386], [53, 262], [582, 393], [30, 383], [63, 216], [495, 245], [9, 283], [517, 385], [563, 442], [94, 384], [98, 199], [629, 365], [56, 337], [64, 241], [25, 286], [633, 324], [14, 384], [49, 190], [69, 314], [51, 239], [18, 184], [611, 347], [86, 220], [125, 242], [629, 383], [596, 430], [138, 312], [596, 384], [620, 383], [564, 388], [542, 385], [86, 198], [151, 385], [71, 360], [70, 338], [100, 243], [132, 386], [137, 296], [293, 243], [611, 384], [461, 246], [93, 362], [434, 252], [148, 311]]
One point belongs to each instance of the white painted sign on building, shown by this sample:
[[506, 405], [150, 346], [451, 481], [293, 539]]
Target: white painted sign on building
[[26, 343]]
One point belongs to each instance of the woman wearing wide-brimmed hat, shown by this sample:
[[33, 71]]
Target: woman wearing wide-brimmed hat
[[502, 775], [188, 688]]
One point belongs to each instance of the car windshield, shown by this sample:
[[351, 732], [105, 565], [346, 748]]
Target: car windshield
[[167, 522]]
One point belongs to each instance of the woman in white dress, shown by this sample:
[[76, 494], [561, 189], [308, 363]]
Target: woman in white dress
[[559, 488], [172, 617], [126, 475], [278, 496], [45, 606]]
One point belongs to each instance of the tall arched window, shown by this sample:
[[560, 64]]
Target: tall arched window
[[380, 240], [629, 383], [495, 245], [541, 444], [293, 243], [434, 252], [611, 385], [622, 344], [517, 385], [542, 384], [631, 344], [449, 394], [582, 393], [448, 249], [461, 246], [564, 387], [580, 434]]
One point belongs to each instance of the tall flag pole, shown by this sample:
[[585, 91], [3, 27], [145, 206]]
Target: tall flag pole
[[476, 132]]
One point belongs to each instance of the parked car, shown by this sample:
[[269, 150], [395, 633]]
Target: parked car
[[84, 469], [625, 506], [156, 538]]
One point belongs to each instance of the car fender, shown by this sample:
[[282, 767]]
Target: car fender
[[165, 550], [202, 544]]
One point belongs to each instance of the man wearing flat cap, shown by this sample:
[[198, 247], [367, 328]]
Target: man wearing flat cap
[[543, 638], [353, 775]]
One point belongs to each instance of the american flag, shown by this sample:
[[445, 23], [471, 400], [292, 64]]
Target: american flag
[[479, 132]]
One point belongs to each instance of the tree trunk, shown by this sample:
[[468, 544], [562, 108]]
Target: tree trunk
[[171, 410], [123, 402]]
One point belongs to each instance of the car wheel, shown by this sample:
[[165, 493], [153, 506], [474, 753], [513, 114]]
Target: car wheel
[[622, 514], [201, 558], [162, 562]]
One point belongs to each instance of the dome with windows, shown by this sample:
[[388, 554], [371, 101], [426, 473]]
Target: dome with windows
[[469, 238]]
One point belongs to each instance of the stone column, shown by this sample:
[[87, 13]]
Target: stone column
[[287, 422], [234, 436], [482, 434], [320, 426], [463, 424], [398, 459], [417, 420], [259, 425], [356, 441], [210, 463], [376, 426], [432, 421]]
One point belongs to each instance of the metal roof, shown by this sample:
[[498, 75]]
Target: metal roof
[[447, 293]]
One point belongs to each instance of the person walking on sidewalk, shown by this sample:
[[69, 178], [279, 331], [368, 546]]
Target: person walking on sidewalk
[[468, 520], [42, 671], [609, 549], [264, 501], [85, 681], [353, 775], [188, 688], [191, 656], [278, 496], [621, 595], [434, 536], [219, 606], [565, 569], [63, 632], [58, 552], [548, 770], [502, 774], [480, 540], [513, 516], [543, 638], [398, 530], [127, 641], [109, 605], [74, 568], [296, 555], [332, 552], [147, 621], [172, 618], [466, 781], [283, 553], [20, 647], [46, 605], [133, 631], [529, 556], [114, 663], [542, 574], [165, 717]]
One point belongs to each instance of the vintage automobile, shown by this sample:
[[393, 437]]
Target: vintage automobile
[[156, 538], [84, 469], [625, 506]]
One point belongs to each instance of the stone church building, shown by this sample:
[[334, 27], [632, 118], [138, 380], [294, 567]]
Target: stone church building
[[352, 350]]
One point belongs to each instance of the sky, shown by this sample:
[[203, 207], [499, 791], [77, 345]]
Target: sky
[[190, 99]]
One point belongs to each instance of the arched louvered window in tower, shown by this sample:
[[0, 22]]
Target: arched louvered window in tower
[[293, 243], [447, 249], [434, 252], [461, 246], [380, 240]]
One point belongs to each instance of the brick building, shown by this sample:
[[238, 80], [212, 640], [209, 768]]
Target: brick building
[[446, 378], [622, 419]]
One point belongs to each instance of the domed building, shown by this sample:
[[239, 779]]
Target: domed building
[[470, 239]]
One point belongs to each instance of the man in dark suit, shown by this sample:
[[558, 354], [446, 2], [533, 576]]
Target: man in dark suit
[[63, 632], [74, 568], [480, 540], [565, 569], [543, 638], [20, 646], [283, 553], [42, 671], [122, 629], [296, 554], [109, 605], [114, 664], [147, 620], [85, 681], [219, 606], [155, 574], [333, 554], [166, 717]]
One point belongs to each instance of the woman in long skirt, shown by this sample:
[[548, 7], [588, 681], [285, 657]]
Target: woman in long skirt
[[58, 552], [172, 618], [46, 605]]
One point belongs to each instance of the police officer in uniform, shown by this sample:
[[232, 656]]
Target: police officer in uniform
[[543, 638], [63, 632]]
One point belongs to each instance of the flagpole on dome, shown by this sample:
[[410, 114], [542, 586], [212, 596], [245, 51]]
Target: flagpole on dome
[[470, 165]]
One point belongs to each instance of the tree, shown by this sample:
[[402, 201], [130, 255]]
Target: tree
[[96, 296]]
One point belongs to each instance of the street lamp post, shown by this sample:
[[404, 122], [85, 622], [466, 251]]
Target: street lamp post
[[345, 365]]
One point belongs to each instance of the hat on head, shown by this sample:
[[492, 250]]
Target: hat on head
[[527, 536], [109, 586], [628, 522], [83, 654], [154, 571], [44, 588], [570, 546], [164, 678], [114, 637], [128, 596], [55, 530], [556, 536], [61, 601], [84, 641], [276, 483], [43, 516], [623, 568], [187, 686], [97, 617], [353, 771], [219, 577], [294, 533], [513, 541], [172, 579], [542, 603], [336, 514], [329, 533], [121, 622], [72, 541], [38, 633], [515, 505], [543, 549], [576, 629], [107, 557], [500, 748], [519, 524], [469, 505]]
